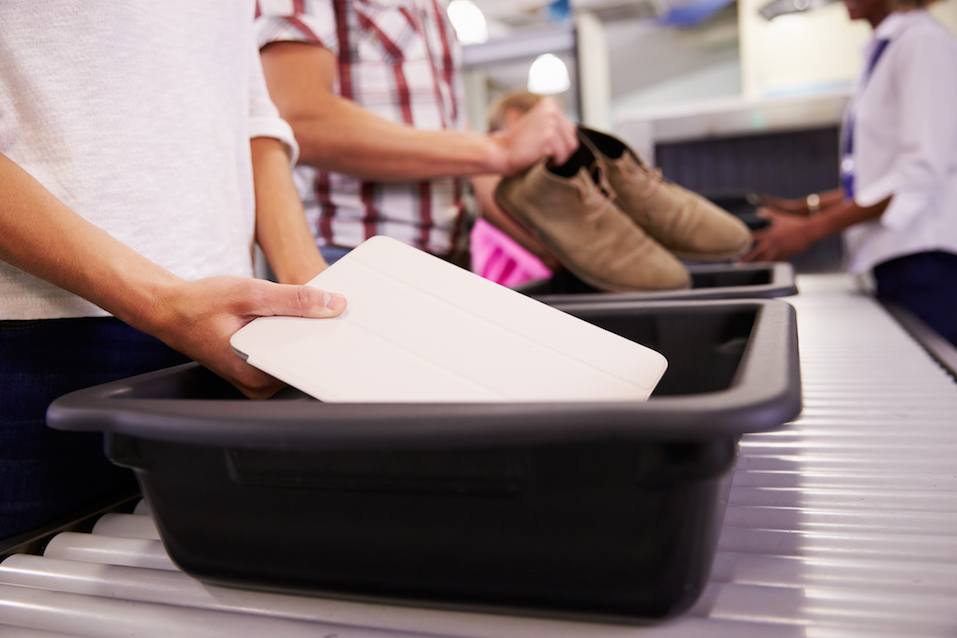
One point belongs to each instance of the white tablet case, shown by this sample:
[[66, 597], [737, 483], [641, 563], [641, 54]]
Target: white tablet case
[[418, 329]]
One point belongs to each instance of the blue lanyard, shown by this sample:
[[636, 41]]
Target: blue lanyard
[[847, 135]]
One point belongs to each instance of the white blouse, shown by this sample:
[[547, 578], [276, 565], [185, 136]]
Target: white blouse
[[905, 143]]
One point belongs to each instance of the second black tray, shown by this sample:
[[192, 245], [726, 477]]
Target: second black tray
[[718, 281]]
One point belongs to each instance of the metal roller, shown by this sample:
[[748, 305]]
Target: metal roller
[[80, 615], [6, 631], [92, 548], [126, 526]]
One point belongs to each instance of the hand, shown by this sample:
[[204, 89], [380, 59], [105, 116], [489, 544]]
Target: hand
[[543, 132], [199, 317], [787, 235]]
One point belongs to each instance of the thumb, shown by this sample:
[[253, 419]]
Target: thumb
[[298, 301]]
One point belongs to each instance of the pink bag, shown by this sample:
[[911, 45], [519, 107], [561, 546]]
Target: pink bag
[[498, 257]]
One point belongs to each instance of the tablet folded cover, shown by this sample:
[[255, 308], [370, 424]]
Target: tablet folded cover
[[418, 329]]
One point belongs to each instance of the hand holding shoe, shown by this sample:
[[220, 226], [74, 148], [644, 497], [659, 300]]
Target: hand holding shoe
[[543, 132], [198, 318]]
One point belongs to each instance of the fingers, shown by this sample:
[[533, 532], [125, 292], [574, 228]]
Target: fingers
[[558, 136], [553, 145], [268, 299], [760, 251], [255, 384], [561, 152], [542, 133], [752, 255], [773, 214], [570, 133], [223, 360], [565, 138]]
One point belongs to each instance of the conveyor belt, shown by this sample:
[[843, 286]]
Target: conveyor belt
[[842, 524]]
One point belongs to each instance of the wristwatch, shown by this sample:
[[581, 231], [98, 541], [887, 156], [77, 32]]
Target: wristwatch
[[813, 202]]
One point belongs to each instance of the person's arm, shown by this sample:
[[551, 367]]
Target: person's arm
[[42, 236], [484, 188], [802, 206], [337, 135], [789, 235], [281, 229], [926, 135]]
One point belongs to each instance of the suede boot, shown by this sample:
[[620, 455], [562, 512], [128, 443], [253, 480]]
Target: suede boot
[[568, 209], [685, 223]]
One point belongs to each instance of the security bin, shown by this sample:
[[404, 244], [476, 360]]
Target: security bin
[[742, 205], [602, 508], [713, 281]]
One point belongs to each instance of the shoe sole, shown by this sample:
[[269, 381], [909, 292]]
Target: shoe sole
[[559, 253], [721, 256]]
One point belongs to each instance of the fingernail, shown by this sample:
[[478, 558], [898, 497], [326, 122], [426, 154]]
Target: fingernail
[[335, 302]]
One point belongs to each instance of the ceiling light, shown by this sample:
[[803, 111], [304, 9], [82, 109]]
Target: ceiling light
[[468, 21], [548, 75]]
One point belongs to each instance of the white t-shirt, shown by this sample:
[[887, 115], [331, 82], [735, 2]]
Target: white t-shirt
[[905, 143], [137, 115]]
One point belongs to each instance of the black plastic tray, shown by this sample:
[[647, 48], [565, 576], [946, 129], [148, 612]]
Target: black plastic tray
[[744, 206], [713, 281], [605, 508]]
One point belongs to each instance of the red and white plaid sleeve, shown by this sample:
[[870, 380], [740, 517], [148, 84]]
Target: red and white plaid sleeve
[[309, 21]]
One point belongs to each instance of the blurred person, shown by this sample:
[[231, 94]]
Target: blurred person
[[897, 205], [373, 95], [502, 249], [140, 158]]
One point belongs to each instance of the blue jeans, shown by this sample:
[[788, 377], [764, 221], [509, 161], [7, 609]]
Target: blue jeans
[[46, 474], [926, 285], [332, 254]]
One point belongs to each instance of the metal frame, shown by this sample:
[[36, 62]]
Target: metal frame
[[935, 345]]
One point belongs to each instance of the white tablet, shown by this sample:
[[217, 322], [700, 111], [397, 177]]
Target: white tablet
[[418, 329]]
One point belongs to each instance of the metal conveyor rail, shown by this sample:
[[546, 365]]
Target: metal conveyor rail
[[842, 524]]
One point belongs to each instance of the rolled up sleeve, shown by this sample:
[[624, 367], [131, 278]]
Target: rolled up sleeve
[[310, 22], [926, 132], [264, 119]]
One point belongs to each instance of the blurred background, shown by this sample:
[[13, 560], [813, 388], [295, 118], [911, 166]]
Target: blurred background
[[725, 97]]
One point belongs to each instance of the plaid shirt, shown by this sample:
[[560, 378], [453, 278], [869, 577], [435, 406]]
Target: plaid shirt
[[399, 60]]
